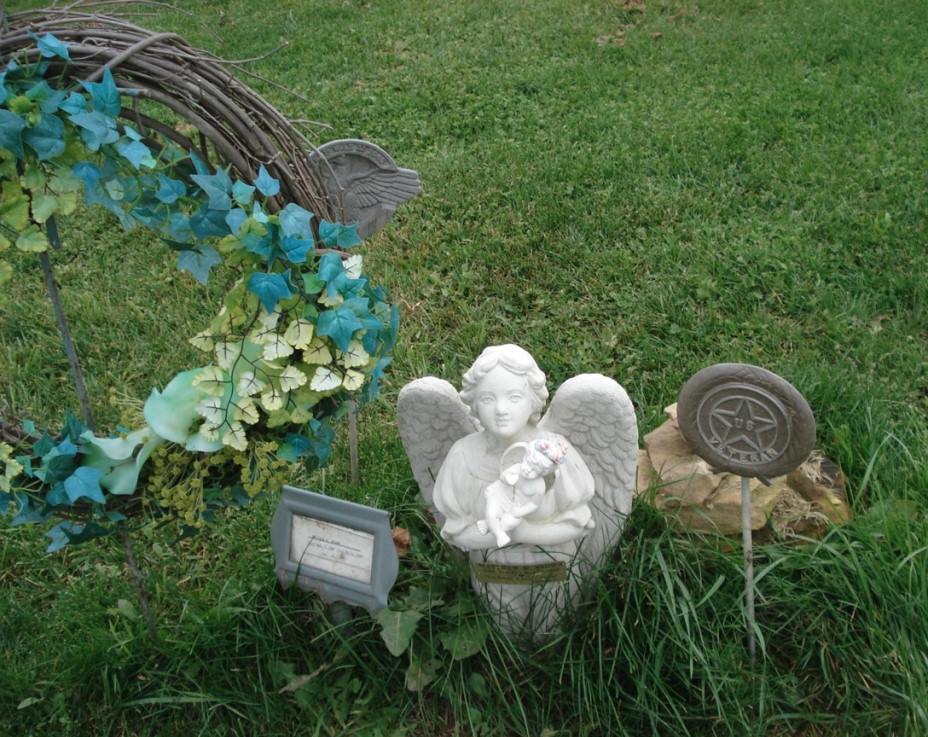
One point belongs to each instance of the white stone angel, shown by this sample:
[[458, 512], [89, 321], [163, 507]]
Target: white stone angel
[[456, 442]]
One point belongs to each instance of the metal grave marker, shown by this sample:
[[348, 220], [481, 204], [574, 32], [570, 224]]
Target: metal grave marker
[[340, 550], [745, 420]]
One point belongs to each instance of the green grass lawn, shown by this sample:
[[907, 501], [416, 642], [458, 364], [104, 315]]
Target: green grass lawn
[[634, 189]]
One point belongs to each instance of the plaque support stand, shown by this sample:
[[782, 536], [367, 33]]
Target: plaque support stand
[[747, 544]]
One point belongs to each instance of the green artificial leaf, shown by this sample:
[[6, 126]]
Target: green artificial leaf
[[6, 272], [46, 138], [340, 325], [198, 261], [14, 206], [104, 95], [468, 639], [32, 240], [397, 628], [11, 126], [33, 176], [85, 482], [312, 284], [43, 206], [266, 184], [269, 288]]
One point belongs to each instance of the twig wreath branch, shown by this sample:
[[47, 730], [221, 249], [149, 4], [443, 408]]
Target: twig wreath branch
[[300, 332]]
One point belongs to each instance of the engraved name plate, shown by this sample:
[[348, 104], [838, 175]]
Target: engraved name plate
[[340, 550]]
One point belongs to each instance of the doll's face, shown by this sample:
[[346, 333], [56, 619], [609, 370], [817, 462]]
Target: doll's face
[[504, 403], [535, 464]]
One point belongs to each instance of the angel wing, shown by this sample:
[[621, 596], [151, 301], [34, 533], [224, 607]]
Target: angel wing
[[431, 417], [595, 414]]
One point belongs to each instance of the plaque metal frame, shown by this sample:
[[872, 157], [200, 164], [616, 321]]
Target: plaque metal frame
[[338, 534]]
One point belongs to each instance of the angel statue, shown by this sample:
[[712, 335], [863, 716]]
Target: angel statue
[[535, 529]]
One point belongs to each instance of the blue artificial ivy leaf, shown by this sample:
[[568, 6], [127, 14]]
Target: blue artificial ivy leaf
[[97, 129], [198, 261], [372, 388], [296, 249], [293, 448], [61, 535], [50, 46], [266, 184], [26, 514], [217, 187], [46, 138], [85, 483], [178, 227], [262, 245], [2, 86], [136, 153], [170, 190], [336, 235], [74, 104], [360, 306], [88, 172], [208, 221], [269, 288], [242, 192], [337, 281], [340, 325], [235, 219], [104, 95], [11, 127], [257, 212], [49, 99], [198, 164], [295, 221], [58, 496]]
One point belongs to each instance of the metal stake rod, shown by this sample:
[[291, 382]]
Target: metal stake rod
[[51, 229], [353, 441], [747, 543]]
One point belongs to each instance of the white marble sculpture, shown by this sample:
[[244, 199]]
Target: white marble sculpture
[[459, 446]]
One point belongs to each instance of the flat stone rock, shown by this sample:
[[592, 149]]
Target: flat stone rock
[[678, 482]]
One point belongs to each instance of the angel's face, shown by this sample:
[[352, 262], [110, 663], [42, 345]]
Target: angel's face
[[504, 403]]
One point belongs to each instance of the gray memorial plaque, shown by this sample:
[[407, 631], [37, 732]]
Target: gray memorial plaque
[[363, 182], [746, 420], [340, 550]]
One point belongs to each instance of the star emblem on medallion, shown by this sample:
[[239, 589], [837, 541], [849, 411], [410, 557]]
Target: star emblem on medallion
[[746, 422]]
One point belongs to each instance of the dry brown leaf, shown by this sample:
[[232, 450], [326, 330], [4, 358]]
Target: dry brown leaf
[[402, 540]]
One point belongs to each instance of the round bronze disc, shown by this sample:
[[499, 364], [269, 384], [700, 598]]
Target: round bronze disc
[[746, 420]]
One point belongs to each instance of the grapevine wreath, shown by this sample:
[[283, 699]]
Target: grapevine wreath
[[301, 331]]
